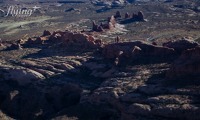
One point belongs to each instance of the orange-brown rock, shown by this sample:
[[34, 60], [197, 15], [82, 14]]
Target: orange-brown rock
[[68, 38], [109, 25], [75, 38]]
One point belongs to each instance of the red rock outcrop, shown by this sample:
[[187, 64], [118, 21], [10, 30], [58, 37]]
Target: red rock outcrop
[[187, 65], [135, 50], [38, 40], [75, 38], [109, 25], [67, 38]]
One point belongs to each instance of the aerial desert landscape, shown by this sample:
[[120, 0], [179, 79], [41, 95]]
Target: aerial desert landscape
[[99, 60]]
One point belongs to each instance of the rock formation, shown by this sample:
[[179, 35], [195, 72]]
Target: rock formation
[[118, 14], [46, 33], [128, 51], [127, 15], [117, 39], [134, 16], [22, 76], [180, 45], [154, 43], [73, 38], [94, 26], [100, 29], [187, 66], [14, 46], [67, 38], [112, 20], [138, 17], [109, 25]]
